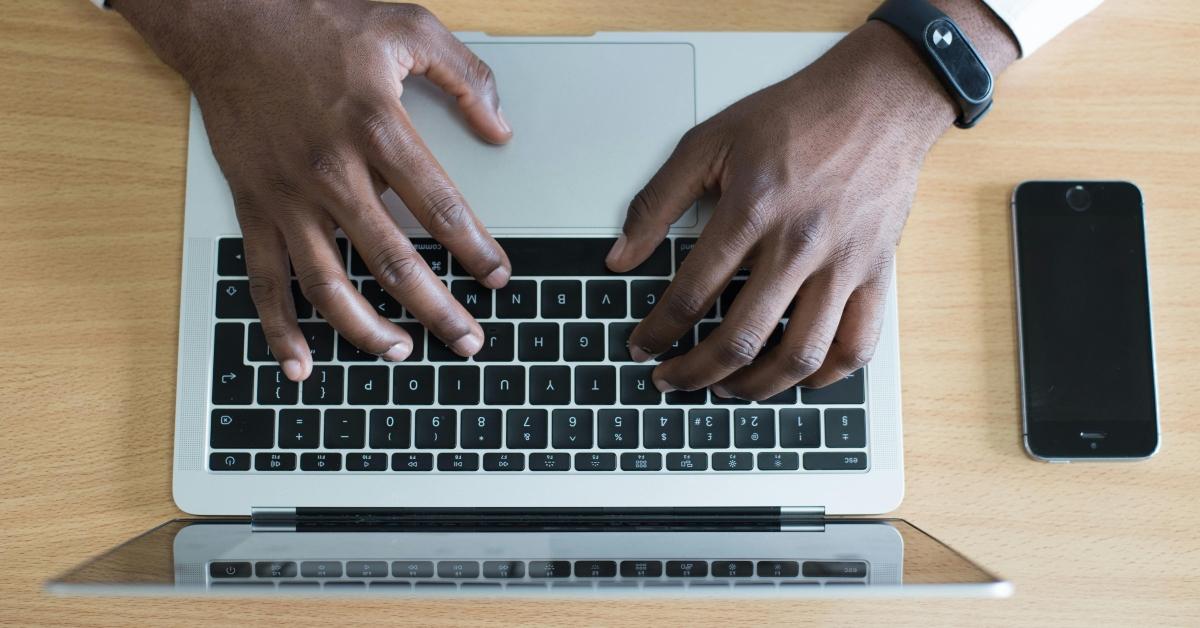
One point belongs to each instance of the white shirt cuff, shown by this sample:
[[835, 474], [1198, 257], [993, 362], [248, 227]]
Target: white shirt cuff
[[1035, 22]]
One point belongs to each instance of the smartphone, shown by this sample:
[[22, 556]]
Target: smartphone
[[1088, 384]]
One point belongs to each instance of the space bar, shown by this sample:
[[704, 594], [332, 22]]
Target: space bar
[[573, 257]]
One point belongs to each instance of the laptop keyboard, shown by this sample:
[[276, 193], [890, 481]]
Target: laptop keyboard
[[552, 390]]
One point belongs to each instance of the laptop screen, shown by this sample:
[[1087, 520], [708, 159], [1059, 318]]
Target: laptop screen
[[830, 558]]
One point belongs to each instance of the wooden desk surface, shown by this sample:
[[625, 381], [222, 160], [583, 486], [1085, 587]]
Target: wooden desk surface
[[92, 138]]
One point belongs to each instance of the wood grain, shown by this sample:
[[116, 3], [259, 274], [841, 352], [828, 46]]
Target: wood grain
[[92, 132]]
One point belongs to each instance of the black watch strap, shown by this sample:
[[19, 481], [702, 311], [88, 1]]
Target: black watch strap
[[948, 52]]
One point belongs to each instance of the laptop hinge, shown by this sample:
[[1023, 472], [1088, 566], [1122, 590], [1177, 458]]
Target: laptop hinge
[[275, 519]]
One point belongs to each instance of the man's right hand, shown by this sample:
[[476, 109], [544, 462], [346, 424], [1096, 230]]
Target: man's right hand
[[302, 105]]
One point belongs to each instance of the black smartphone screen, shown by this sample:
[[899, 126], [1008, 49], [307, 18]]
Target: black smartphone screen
[[1084, 309]]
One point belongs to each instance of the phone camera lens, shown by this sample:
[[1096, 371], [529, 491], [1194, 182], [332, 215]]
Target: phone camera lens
[[1078, 198]]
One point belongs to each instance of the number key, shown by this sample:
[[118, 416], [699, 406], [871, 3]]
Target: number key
[[480, 429], [799, 427], [709, 428], [754, 428], [436, 429]]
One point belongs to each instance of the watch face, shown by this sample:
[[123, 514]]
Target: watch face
[[961, 66]]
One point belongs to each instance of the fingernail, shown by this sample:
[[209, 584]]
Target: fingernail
[[293, 369], [720, 391], [467, 346], [399, 351], [615, 252], [497, 278], [639, 354], [503, 121], [663, 386]]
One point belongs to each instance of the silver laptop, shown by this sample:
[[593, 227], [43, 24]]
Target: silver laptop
[[556, 420]]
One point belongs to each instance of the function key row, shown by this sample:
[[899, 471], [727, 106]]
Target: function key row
[[517, 569], [709, 428]]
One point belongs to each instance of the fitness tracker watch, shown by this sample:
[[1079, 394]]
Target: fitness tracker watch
[[948, 53]]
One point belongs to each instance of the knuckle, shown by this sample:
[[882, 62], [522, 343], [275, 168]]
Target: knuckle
[[378, 133], [325, 166], [641, 207], [322, 286], [685, 305], [415, 15], [445, 210], [806, 233], [481, 75], [739, 347], [265, 291], [397, 270], [803, 361]]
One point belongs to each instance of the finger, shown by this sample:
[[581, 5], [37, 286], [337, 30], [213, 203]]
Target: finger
[[324, 283], [857, 335], [805, 343], [450, 65], [399, 154], [696, 286], [271, 289], [755, 313], [670, 192]]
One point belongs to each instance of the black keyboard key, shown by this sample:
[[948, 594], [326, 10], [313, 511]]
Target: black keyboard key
[[435, 429], [662, 429], [683, 246], [550, 461], [687, 461], [606, 299], [709, 429], [682, 345], [583, 342], [786, 397], [366, 462], [641, 568], [390, 429], [480, 429], [439, 352], [497, 343], [537, 342], [242, 429], [231, 258], [358, 267], [348, 352], [368, 385], [366, 568], [275, 569], [835, 569], [637, 389], [413, 385], [299, 429], [848, 391], [595, 569], [412, 569], [562, 299], [728, 401], [503, 385], [618, 341], [233, 380], [257, 349], [517, 299], [593, 461], [229, 569], [799, 427], [380, 300], [778, 569], [504, 569], [549, 569], [754, 428], [704, 330], [233, 299], [729, 294], [617, 429], [229, 461], [473, 296], [732, 569], [778, 461], [321, 569], [698, 397], [845, 427], [527, 429], [574, 257], [458, 385], [320, 462], [641, 461], [458, 462], [324, 387], [503, 462], [274, 461], [644, 295], [835, 461], [595, 385], [458, 569], [304, 309], [572, 429], [549, 385], [412, 462], [434, 254], [687, 569], [345, 429], [275, 389], [318, 335], [732, 461]]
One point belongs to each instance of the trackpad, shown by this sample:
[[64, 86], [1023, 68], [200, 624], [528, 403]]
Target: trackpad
[[591, 122]]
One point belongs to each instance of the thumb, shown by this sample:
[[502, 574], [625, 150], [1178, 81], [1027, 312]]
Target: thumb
[[669, 193]]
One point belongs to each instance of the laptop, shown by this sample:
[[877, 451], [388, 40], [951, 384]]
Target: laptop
[[553, 426]]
